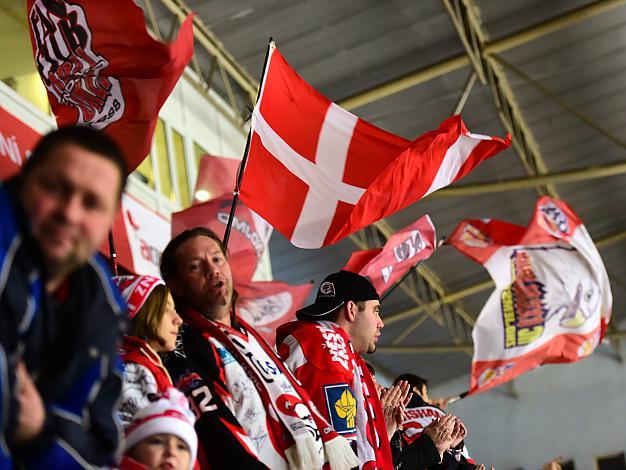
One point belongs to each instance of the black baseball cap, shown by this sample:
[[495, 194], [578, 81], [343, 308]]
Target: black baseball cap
[[336, 290]]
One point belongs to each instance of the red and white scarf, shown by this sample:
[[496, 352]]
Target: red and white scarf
[[309, 440]]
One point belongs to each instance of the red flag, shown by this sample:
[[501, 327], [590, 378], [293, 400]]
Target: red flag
[[101, 67], [17, 139], [552, 300], [216, 178], [317, 173], [249, 236], [266, 305], [404, 249]]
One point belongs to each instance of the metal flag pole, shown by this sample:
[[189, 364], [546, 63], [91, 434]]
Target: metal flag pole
[[244, 160], [458, 397], [408, 273], [401, 280], [112, 252]]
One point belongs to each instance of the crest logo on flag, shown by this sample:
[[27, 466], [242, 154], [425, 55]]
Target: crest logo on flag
[[523, 310], [475, 238], [489, 375], [589, 345], [553, 219], [70, 68]]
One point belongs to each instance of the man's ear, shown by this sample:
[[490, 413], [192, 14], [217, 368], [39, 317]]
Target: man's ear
[[351, 310]]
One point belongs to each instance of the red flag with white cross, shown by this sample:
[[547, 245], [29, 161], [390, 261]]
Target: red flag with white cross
[[102, 68], [318, 173]]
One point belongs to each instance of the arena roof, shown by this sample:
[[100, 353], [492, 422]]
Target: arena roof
[[553, 74]]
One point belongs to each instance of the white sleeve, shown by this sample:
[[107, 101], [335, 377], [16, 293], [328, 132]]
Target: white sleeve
[[138, 384]]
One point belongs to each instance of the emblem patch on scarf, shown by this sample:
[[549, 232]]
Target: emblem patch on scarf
[[341, 406]]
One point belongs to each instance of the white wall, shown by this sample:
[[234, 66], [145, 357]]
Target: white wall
[[577, 411]]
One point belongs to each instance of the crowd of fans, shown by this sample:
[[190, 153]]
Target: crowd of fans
[[84, 356]]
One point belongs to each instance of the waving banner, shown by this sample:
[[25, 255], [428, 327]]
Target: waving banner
[[249, 237], [266, 305], [216, 178], [318, 173], [552, 300], [102, 68], [404, 249]]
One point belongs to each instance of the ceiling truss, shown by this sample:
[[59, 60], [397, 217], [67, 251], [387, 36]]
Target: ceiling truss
[[432, 298]]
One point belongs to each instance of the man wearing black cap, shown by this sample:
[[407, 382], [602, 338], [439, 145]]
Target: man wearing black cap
[[323, 350]]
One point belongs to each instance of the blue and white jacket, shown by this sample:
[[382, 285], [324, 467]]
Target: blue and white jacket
[[69, 349]]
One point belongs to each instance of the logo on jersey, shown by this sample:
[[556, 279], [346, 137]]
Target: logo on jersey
[[335, 345], [341, 406]]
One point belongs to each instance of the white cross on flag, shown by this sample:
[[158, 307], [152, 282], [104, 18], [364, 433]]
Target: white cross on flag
[[318, 173]]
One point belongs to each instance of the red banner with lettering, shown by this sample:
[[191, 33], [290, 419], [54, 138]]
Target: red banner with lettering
[[103, 69], [404, 249], [17, 140]]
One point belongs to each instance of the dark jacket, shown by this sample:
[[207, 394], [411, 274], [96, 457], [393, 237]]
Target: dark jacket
[[419, 415], [68, 343], [197, 369]]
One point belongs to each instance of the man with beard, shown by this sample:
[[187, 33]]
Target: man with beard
[[251, 412], [323, 350], [60, 317]]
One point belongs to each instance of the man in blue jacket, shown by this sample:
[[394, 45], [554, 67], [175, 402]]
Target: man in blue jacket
[[60, 317]]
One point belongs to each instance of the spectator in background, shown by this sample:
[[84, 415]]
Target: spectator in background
[[162, 435], [153, 330], [421, 413], [60, 316], [244, 397], [324, 351], [419, 453]]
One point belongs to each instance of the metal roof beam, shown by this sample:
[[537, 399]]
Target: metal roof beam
[[458, 348], [535, 181], [500, 45], [214, 47], [561, 102], [426, 349]]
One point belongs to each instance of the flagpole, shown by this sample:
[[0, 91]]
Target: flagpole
[[458, 397], [112, 252], [401, 280], [440, 242], [244, 160]]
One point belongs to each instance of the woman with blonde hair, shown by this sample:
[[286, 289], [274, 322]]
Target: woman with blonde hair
[[153, 329]]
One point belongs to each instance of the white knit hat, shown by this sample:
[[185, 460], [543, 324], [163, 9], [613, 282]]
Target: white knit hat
[[170, 414]]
